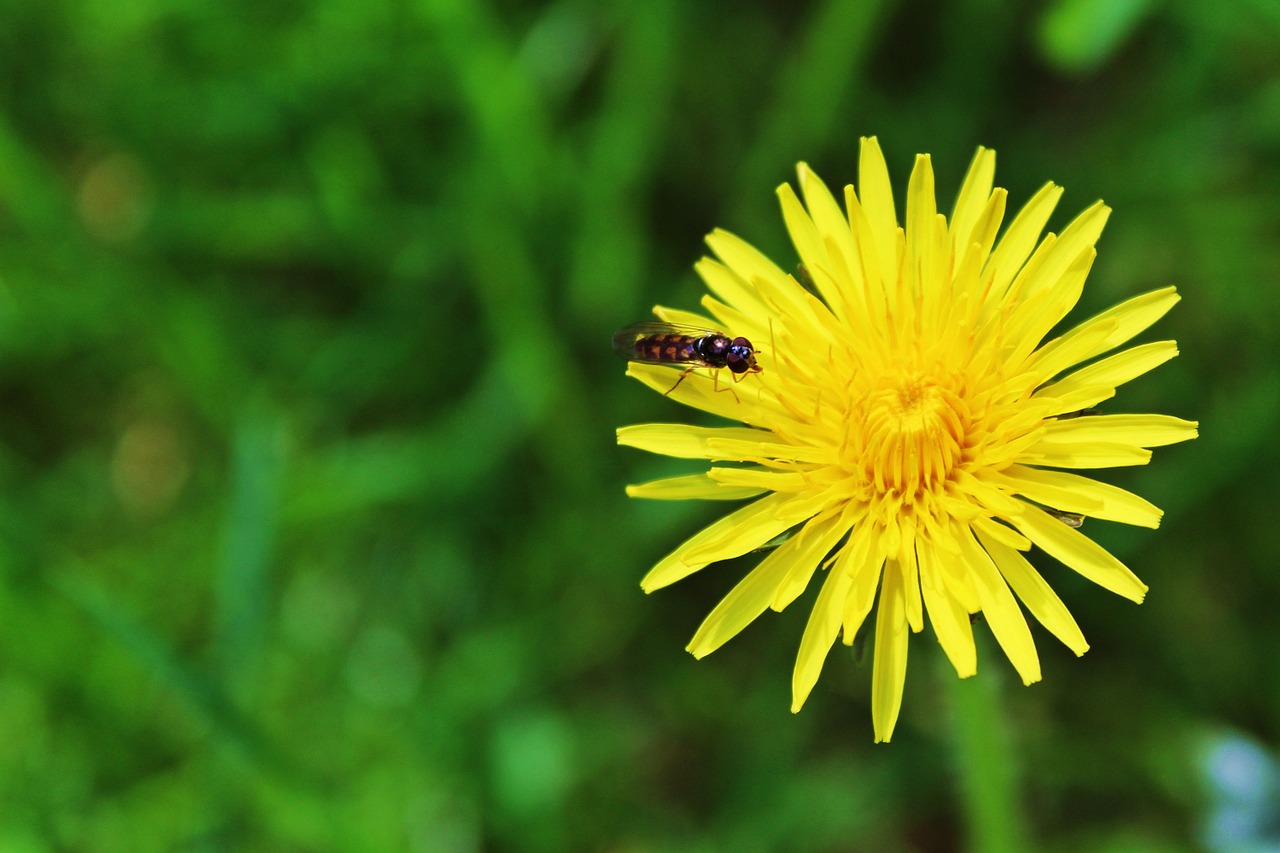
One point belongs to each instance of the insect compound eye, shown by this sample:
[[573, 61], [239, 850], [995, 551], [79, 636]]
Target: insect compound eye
[[736, 362], [741, 356]]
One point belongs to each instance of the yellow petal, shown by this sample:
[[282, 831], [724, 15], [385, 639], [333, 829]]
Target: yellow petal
[[729, 285], [1136, 430], [833, 228], [865, 564], [756, 591], [760, 478], [691, 487], [755, 519], [804, 234], [736, 540], [690, 442], [950, 621], [797, 579], [734, 322], [974, 195], [1070, 349], [819, 633], [890, 666], [1073, 493], [913, 604], [997, 532], [809, 242], [986, 495], [683, 318], [1001, 609], [867, 259], [812, 502], [787, 302], [844, 289], [775, 292], [1033, 319], [922, 212], [988, 224], [959, 583], [1079, 552], [967, 301], [1120, 323], [1113, 371], [743, 401], [774, 288], [876, 196], [1024, 232], [1035, 593], [1074, 400], [1025, 481], [1088, 455], [1075, 241]]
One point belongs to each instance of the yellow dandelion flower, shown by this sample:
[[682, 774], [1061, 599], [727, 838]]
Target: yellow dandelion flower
[[910, 423]]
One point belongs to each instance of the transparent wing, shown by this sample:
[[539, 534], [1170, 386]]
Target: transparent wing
[[624, 340]]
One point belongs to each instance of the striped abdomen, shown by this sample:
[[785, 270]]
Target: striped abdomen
[[669, 348]]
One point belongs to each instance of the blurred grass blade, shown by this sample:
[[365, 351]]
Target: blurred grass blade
[[1083, 35], [634, 122], [812, 92], [457, 456], [248, 547], [988, 775], [201, 694]]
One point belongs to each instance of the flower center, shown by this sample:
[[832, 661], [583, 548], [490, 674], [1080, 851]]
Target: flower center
[[912, 434]]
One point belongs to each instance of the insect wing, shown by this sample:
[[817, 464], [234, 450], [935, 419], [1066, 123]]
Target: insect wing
[[624, 340], [1070, 519]]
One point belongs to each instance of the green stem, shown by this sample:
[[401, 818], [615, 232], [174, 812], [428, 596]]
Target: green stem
[[988, 777]]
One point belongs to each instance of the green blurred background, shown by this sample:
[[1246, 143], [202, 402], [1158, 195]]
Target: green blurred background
[[312, 526]]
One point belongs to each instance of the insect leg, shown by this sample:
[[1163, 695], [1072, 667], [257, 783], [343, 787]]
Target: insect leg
[[715, 384], [683, 374]]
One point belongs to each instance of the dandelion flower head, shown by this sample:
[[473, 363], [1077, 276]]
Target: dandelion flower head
[[912, 426]]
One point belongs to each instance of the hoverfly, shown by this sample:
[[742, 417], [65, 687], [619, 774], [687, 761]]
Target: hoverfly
[[668, 343]]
